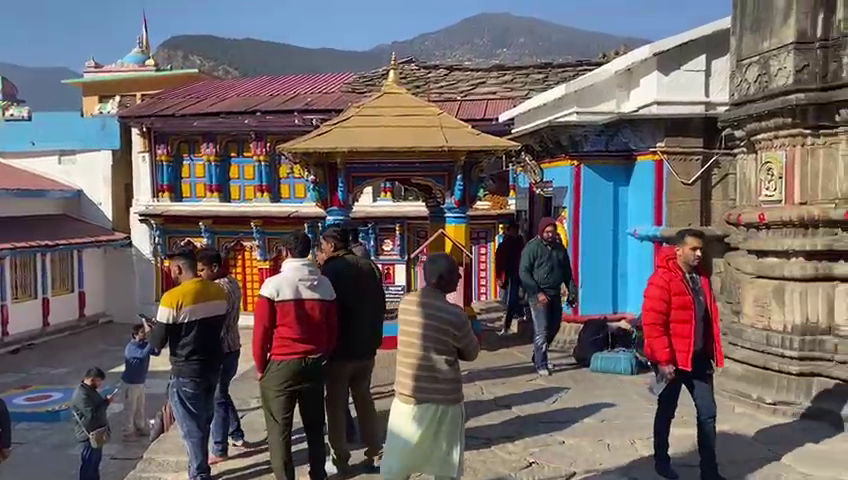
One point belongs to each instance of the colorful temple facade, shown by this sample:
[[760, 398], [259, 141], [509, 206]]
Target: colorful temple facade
[[624, 152], [212, 157]]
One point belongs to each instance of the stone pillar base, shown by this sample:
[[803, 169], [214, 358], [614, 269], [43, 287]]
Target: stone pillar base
[[768, 383]]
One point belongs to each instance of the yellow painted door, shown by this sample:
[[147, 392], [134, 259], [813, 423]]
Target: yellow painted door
[[243, 267]]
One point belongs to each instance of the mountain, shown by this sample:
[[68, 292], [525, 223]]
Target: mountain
[[507, 39], [42, 87], [226, 57], [486, 38]]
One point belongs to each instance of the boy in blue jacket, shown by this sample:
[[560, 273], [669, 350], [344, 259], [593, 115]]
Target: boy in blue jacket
[[136, 364]]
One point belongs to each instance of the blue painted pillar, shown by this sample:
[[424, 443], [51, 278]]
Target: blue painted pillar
[[211, 156]]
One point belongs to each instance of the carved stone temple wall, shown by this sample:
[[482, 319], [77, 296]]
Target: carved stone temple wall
[[783, 285]]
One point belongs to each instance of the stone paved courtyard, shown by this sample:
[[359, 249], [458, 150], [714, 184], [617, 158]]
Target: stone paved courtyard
[[574, 424]]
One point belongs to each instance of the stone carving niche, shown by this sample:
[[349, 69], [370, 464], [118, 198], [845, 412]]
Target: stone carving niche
[[770, 177]]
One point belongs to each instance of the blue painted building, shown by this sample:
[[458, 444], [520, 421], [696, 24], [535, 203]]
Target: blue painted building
[[615, 148]]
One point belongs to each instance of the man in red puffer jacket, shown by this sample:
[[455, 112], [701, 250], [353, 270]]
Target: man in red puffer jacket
[[682, 338]]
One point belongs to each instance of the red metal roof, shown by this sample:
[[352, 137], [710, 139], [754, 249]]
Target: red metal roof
[[13, 178], [266, 86], [48, 231], [468, 93]]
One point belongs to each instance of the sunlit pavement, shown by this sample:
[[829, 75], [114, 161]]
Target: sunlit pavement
[[574, 424]]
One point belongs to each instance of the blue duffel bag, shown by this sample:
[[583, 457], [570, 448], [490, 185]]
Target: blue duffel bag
[[620, 361]]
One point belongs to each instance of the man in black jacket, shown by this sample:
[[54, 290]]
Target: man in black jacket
[[361, 305], [5, 432], [89, 410]]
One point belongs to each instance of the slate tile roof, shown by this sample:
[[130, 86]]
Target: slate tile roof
[[469, 93], [14, 178], [443, 82], [49, 231]]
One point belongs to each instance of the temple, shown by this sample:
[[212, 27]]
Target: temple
[[222, 162], [784, 287], [109, 88]]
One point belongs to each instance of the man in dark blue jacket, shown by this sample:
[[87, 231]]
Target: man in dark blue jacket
[[136, 364], [545, 273]]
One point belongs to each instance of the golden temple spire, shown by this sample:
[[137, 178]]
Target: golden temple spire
[[392, 79]]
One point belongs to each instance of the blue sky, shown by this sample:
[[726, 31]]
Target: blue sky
[[67, 33]]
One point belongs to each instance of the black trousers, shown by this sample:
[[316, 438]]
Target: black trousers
[[287, 383], [699, 382]]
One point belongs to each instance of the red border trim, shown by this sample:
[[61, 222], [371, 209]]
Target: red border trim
[[577, 188], [659, 199]]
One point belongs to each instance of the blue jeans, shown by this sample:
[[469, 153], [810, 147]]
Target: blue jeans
[[547, 319], [226, 422], [90, 461], [193, 402], [699, 382]]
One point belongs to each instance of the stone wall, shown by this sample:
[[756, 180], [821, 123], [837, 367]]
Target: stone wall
[[784, 283], [691, 199]]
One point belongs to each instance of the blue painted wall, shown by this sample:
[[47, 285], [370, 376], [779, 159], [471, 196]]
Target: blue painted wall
[[614, 267], [51, 131], [640, 253]]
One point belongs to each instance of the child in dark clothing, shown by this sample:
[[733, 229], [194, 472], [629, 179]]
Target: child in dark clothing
[[136, 364]]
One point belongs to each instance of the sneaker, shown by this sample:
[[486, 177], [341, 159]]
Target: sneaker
[[371, 465], [504, 332], [544, 372], [665, 471], [237, 442], [214, 459]]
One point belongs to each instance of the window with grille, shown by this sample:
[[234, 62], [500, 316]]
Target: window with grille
[[192, 172], [23, 275], [61, 273]]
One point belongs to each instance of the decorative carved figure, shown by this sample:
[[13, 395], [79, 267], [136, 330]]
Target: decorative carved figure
[[770, 176]]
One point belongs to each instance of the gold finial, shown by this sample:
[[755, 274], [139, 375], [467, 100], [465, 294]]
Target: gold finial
[[393, 74]]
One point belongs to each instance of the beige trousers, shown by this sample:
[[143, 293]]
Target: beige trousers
[[134, 420]]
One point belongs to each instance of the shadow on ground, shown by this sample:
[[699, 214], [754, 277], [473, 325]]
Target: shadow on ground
[[515, 429], [741, 456]]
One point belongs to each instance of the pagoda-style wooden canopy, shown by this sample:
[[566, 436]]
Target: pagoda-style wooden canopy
[[395, 121]]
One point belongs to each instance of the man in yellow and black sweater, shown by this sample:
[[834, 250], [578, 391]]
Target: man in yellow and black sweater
[[190, 321]]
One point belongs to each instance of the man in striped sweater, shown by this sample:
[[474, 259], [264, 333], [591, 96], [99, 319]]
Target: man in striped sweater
[[426, 432], [294, 331]]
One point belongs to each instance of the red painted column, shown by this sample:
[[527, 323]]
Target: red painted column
[[4, 308], [575, 228], [80, 284], [264, 272], [659, 199], [45, 293]]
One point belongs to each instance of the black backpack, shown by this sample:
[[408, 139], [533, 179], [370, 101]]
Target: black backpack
[[594, 337]]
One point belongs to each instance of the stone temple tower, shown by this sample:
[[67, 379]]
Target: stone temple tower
[[784, 283]]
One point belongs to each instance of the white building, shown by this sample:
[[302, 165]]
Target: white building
[[63, 195]]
